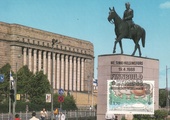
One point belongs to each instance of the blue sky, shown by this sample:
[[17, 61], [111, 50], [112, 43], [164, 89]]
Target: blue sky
[[87, 20]]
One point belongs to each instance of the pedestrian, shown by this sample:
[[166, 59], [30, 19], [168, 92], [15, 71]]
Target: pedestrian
[[57, 116], [109, 116], [61, 116], [33, 116], [11, 117], [90, 107], [17, 117], [56, 113], [43, 114], [116, 117]]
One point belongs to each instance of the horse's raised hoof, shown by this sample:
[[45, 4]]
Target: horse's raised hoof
[[114, 51]]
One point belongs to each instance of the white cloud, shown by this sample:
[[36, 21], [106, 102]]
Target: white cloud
[[165, 5]]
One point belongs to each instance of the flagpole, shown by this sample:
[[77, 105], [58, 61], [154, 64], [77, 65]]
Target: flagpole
[[15, 87], [9, 95], [15, 92]]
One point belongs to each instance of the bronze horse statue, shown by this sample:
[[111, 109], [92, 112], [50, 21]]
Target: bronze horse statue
[[122, 31]]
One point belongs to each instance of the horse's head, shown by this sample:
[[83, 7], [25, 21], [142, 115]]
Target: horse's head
[[111, 14]]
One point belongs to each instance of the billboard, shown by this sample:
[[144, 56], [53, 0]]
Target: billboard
[[130, 96]]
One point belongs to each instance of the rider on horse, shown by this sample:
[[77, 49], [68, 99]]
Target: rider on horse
[[122, 29], [128, 15]]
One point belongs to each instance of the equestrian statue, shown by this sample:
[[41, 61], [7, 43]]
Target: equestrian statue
[[125, 28]]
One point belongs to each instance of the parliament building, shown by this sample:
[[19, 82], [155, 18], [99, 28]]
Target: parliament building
[[69, 62]]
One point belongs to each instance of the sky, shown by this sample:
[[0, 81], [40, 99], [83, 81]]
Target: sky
[[87, 20]]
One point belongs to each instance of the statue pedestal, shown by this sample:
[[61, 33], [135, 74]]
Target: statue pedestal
[[125, 67]]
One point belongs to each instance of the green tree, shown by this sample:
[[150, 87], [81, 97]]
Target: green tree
[[23, 78], [162, 97], [4, 86], [33, 87], [160, 114], [38, 86], [68, 104], [142, 117]]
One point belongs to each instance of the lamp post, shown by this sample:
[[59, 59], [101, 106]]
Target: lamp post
[[88, 87], [52, 90], [167, 95], [15, 87]]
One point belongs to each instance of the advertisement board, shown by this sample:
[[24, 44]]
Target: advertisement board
[[130, 96]]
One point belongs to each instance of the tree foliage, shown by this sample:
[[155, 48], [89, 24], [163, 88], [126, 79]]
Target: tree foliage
[[162, 97], [68, 104], [32, 89], [4, 86], [160, 114], [24, 75], [39, 86]]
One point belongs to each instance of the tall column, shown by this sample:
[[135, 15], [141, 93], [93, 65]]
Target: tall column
[[35, 62], [44, 62], [30, 59], [53, 67], [74, 74], [39, 59], [58, 71], [25, 56], [70, 73], [49, 67], [82, 74], [78, 74], [66, 72], [62, 71]]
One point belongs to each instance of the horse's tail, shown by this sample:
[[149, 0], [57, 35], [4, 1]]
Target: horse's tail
[[143, 38]]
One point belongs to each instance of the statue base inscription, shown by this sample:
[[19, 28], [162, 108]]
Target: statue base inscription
[[127, 85]]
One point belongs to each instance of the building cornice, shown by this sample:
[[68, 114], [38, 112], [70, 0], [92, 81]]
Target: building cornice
[[34, 37]]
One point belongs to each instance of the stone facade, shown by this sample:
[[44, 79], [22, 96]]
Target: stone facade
[[70, 59]]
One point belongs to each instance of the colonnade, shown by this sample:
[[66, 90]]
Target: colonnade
[[68, 71]]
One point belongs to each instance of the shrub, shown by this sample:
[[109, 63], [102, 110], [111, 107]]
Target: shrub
[[160, 114]]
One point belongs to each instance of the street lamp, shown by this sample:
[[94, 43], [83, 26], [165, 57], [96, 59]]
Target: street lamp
[[167, 101], [52, 90], [88, 87], [15, 86]]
